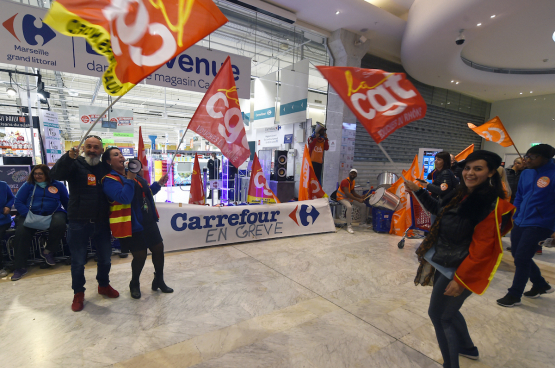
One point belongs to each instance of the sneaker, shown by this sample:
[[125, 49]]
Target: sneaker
[[19, 273], [48, 258], [109, 291], [78, 302], [539, 252], [509, 301], [3, 273], [535, 292], [350, 230], [470, 353]]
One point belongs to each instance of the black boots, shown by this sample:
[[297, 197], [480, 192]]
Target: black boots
[[158, 283], [135, 289]]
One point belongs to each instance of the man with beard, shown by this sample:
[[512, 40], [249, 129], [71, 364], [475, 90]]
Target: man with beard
[[88, 216]]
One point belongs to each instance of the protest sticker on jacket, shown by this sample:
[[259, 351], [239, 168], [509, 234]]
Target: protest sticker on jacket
[[383, 102]]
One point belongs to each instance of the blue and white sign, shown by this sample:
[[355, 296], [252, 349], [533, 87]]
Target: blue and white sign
[[294, 93], [51, 137], [265, 94], [288, 138], [127, 152], [190, 226], [25, 40]]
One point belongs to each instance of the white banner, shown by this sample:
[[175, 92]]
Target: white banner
[[51, 137], [191, 226], [25, 40], [294, 93], [121, 120], [265, 93]]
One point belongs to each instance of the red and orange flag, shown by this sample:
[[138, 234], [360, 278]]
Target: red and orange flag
[[142, 156], [259, 191], [309, 186], [136, 36], [196, 195], [465, 152], [493, 131], [218, 118]]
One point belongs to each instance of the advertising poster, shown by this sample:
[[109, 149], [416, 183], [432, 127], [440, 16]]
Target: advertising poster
[[14, 175], [122, 119], [51, 137]]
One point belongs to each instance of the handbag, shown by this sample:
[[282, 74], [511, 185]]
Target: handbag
[[38, 222], [448, 272]]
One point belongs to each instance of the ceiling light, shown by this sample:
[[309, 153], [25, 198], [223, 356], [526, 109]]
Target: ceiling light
[[457, 83], [11, 92], [531, 91], [479, 24], [520, 92], [452, 81], [493, 16], [545, 60], [337, 12]]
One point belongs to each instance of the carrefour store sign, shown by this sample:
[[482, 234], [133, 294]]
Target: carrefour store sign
[[191, 226], [25, 40]]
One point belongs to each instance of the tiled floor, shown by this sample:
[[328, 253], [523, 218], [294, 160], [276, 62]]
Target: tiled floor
[[331, 300]]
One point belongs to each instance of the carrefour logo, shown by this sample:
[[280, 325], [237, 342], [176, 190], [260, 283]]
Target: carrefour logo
[[302, 214], [26, 25]]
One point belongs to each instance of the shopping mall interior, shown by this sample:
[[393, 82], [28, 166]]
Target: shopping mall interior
[[275, 268]]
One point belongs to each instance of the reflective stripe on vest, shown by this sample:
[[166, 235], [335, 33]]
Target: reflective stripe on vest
[[120, 215], [340, 194]]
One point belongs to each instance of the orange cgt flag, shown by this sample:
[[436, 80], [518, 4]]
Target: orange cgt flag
[[465, 152], [401, 218], [383, 102], [493, 131], [196, 195], [142, 156], [136, 36], [259, 191], [414, 171], [309, 186], [218, 118]]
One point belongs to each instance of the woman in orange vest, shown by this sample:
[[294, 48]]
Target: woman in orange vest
[[133, 219], [317, 144], [463, 249]]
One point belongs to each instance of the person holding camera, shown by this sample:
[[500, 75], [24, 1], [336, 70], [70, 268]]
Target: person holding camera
[[44, 197], [87, 214], [133, 219], [317, 144]]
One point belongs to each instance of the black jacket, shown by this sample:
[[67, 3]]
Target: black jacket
[[513, 177], [457, 224], [457, 171], [443, 183], [214, 168], [86, 198]]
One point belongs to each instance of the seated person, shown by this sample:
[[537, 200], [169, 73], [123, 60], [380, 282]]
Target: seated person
[[6, 203], [42, 196]]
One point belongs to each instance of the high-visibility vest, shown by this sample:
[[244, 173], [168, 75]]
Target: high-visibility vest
[[317, 154], [340, 194], [120, 215]]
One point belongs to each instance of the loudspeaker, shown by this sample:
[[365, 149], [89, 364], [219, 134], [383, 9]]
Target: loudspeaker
[[280, 165]]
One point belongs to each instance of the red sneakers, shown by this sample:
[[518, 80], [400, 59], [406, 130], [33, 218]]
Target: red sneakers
[[109, 291], [539, 252], [78, 300]]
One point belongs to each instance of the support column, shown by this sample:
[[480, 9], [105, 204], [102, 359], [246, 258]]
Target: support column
[[346, 51]]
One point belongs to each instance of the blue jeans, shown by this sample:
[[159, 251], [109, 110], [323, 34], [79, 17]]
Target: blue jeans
[[78, 235], [524, 244], [451, 330]]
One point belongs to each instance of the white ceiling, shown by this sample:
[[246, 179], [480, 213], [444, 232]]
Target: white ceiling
[[520, 36]]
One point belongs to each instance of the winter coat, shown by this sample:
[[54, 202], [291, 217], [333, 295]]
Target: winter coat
[[443, 183], [46, 201], [6, 200]]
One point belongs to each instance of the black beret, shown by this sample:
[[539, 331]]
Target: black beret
[[493, 159], [544, 150]]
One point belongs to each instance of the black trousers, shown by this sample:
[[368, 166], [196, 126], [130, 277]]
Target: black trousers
[[3, 229], [318, 171], [24, 237]]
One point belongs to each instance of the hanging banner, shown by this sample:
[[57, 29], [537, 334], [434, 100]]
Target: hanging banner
[[191, 70], [294, 93], [190, 226], [265, 93], [121, 121], [51, 136], [14, 121]]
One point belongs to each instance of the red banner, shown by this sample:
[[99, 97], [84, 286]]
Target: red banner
[[383, 102], [309, 186], [259, 191], [142, 156], [136, 36], [196, 195], [218, 117]]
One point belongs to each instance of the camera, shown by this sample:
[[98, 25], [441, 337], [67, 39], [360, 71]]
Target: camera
[[460, 38]]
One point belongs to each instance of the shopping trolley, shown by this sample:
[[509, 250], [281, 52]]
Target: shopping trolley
[[421, 219]]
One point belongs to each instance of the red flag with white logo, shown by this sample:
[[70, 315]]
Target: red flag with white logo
[[142, 157], [383, 102], [259, 191], [309, 186], [218, 117], [136, 36], [196, 195]]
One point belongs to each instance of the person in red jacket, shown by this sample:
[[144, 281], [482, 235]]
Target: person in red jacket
[[463, 249], [317, 144]]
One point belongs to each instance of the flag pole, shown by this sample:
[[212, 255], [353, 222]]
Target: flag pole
[[180, 141], [519, 155], [385, 153]]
